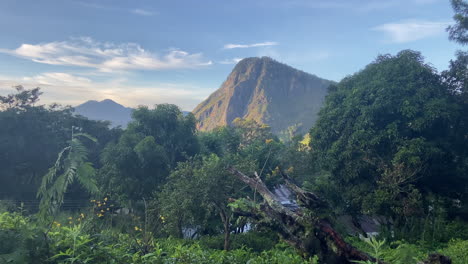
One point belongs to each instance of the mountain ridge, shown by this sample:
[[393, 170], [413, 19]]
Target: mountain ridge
[[266, 91], [106, 110]]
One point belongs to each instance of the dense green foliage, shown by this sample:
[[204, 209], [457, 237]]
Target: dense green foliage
[[391, 140], [459, 31], [83, 243], [390, 143], [199, 191], [72, 165], [388, 135], [32, 135], [139, 162]]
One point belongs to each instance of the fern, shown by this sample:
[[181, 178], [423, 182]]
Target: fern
[[72, 164], [376, 246]]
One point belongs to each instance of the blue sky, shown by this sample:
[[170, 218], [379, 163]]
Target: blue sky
[[150, 51]]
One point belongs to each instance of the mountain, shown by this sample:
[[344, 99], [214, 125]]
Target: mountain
[[109, 110], [267, 91]]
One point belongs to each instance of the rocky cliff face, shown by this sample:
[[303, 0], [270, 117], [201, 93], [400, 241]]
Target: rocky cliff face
[[267, 91]]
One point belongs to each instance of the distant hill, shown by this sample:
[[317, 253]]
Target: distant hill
[[267, 91], [109, 110]]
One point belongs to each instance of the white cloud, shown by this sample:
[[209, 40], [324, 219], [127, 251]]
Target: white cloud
[[142, 12], [106, 56], [58, 78], [411, 30], [231, 61], [72, 89], [243, 46]]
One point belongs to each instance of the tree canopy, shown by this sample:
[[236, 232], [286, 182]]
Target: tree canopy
[[459, 31], [140, 161], [385, 134], [32, 135]]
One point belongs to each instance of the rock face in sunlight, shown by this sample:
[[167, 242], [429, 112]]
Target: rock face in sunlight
[[267, 91], [105, 110]]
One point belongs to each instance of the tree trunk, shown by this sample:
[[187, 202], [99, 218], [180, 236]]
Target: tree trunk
[[226, 219], [227, 237], [302, 228]]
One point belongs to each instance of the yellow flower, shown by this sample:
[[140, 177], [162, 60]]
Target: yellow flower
[[70, 218], [105, 199], [70, 222], [268, 141], [100, 215], [102, 211], [107, 209], [82, 215], [79, 219], [58, 224], [93, 201], [136, 228]]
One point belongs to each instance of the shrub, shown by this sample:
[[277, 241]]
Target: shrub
[[457, 250], [20, 240], [255, 241]]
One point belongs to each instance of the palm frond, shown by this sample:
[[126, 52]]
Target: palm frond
[[71, 165], [86, 136], [86, 178]]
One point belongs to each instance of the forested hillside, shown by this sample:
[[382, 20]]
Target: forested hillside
[[380, 177]]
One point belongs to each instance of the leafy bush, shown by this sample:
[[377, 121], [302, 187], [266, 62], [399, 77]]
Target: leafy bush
[[396, 252], [75, 240], [78, 240], [255, 241], [20, 240], [401, 252], [457, 250]]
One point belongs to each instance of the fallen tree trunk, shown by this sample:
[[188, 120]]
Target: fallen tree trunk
[[303, 228]]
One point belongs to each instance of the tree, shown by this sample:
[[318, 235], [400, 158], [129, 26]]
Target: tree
[[384, 135], [71, 165], [219, 141], [31, 135], [21, 100], [308, 227], [199, 191], [154, 142], [459, 31], [305, 227], [456, 77]]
